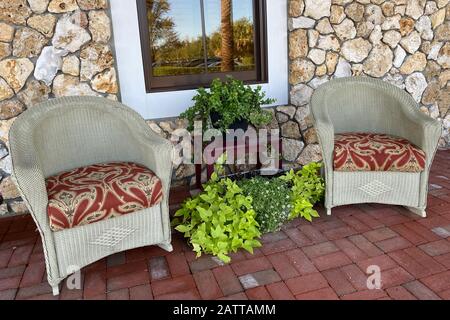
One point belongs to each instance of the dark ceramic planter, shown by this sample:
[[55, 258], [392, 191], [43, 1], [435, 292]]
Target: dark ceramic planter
[[241, 124]]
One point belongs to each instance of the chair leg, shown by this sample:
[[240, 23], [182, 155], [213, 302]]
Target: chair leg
[[55, 289], [328, 211], [166, 246], [419, 211]]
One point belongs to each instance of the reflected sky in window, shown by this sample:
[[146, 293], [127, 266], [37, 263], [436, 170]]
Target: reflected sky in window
[[185, 24]]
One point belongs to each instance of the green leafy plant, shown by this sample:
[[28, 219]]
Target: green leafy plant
[[220, 220], [308, 187], [233, 101], [271, 201]]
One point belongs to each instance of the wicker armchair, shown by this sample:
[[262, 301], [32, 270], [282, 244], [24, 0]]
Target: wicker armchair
[[68, 133], [361, 104]]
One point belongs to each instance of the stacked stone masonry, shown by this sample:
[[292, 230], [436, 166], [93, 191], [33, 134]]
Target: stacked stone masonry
[[404, 42], [53, 48], [48, 49]]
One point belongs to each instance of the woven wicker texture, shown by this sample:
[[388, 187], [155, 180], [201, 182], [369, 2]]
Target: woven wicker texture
[[68, 133], [362, 104]]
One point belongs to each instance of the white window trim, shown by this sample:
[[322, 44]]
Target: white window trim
[[171, 104]]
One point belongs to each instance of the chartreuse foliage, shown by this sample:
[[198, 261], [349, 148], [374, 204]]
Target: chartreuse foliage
[[308, 187], [228, 216], [220, 220]]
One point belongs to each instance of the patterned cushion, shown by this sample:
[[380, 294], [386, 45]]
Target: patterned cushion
[[103, 191], [376, 152]]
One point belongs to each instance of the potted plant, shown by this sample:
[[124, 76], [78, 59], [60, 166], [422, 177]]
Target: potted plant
[[228, 105]]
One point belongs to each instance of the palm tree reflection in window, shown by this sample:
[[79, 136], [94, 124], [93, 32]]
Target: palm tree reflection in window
[[227, 36]]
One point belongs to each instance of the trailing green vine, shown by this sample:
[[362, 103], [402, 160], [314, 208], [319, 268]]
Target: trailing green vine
[[229, 215], [220, 220], [308, 188]]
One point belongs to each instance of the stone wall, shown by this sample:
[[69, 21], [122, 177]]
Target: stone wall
[[404, 42], [298, 137], [49, 48]]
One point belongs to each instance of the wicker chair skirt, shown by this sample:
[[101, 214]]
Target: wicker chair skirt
[[397, 188], [84, 245]]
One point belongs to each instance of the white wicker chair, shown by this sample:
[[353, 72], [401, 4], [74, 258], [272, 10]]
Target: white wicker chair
[[63, 134], [362, 104]]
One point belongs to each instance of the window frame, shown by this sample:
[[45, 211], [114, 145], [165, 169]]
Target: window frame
[[194, 81]]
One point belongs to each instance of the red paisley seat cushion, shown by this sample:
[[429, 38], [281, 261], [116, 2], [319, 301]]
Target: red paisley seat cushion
[[98, 192], [376, 152]]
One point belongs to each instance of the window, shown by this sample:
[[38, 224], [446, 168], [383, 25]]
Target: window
[[188, 43]]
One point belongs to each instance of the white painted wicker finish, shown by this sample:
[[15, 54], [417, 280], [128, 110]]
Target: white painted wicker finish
[[376, 187], [67, 133], [85, 245], [362, 104]]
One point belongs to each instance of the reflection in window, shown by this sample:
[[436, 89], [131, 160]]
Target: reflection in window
[[230, 35], [201, 36]]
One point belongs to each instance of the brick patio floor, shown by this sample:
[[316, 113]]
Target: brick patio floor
[[327, 259]]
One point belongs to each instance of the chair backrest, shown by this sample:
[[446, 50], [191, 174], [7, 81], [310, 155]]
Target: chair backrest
[[362, 104], [73, 132]]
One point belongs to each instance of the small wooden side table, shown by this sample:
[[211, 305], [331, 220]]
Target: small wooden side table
[[240, 146]]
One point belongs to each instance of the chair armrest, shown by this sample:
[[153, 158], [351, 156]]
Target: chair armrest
[[30, 182], [159, 158], [324, 128], [156, 154], [325, 132], [421, 129]]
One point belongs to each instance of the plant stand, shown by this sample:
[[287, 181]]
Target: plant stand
[[241, 147]]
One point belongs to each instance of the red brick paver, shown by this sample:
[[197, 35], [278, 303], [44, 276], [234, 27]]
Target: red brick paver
[[207, 285], [326, 259]]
